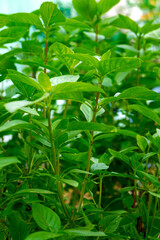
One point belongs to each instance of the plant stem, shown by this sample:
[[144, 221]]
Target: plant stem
[[154, 213], [138, 56], [46, 51], [89, 156], [54, 162], [53, 155], [66, 108], [100, 190]]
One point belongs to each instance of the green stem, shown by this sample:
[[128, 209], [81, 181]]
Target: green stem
[[100, 190], [154, 213], [89, 156], [54, 162], [3, 149], [46, 51], [138, 56], [53, 155], [66, 108]]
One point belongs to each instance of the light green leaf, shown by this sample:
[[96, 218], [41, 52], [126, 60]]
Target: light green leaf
[[33, 190], [85, 233], [88, 112], [148, 112], [3, 20], [99, 167], [27, 18], [44, 81], [86, 58], [105, 5], [60, 49], [127, 47], [29, 110], [51, 14], [106, 55], [64, 78], [139, 93], [19, 77], [142, 142], [70, 182], [154, 194], [126, 23], [118, 64], [15, 124], [85, 8], [6, 161], [15, 105], [75, 24], [46, 218], [42, 235], [149, 27]]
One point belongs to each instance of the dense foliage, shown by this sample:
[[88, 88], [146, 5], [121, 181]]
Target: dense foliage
[[83, 159]]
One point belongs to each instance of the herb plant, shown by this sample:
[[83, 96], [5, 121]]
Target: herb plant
[[83, 159]]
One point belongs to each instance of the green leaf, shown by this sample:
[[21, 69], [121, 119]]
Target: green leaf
[[120, 156], [64, 78], [46, 218], [27, 18], [127, 133], [153, 179], [86, 126], [29, 110], [148, 112], [105, 5], [106, 55], [99, 167], [33, 190], [74, 96], [6, 161], [15, 124], [154, 194], [51, 14], [76, 24], [8, 35], [61, 49], [44, 81], [3, 20], [149, 27], [118, 64], [19, 77], [70, 182], [139, 93], [18, 228], [85, 8], [85, 233], [42, 235], [142, 142], [126, 23], [74, 87], [86, 58], [15, 105]]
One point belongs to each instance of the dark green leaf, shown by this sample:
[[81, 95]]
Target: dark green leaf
[[46, 218]]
